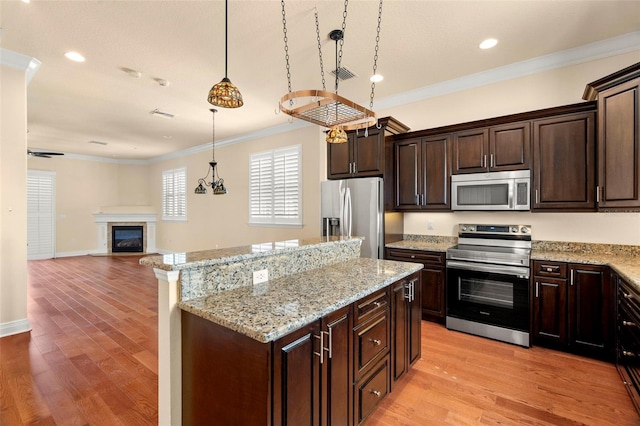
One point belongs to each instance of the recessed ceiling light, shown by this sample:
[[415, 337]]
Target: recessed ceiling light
[[74, 56], [488, 43], [376, 78], [26, 1]]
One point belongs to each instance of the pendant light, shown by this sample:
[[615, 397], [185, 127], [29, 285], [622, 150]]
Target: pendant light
[[217, 183], [225, 94]]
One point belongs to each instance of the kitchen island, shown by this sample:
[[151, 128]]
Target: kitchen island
[[224, 342]]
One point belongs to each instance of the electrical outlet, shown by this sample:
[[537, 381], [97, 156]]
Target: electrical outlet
[[430, 225], [260, 276]]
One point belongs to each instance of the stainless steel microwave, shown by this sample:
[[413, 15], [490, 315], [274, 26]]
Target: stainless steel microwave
[[491, 191]]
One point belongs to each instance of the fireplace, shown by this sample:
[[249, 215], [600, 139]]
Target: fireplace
[[127, 239]]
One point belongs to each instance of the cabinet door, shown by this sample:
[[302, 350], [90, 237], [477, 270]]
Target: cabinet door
[[510, 147], [550, 310], [433, 293], [407, 159], [415, 319], [296, 378], [619, 145], [400, 318], [337, 393], [435, 173], [368, 152], [470, 151], [338, 160], [591, 322], [564, 162]]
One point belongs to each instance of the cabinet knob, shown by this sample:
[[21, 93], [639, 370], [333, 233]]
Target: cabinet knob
[[549, 269], [375, 392], [627, 295], [629, 354], [413, 256], [376, 342], [377, 304], [628, 323]]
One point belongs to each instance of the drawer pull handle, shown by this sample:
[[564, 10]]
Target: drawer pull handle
[[377, 304], [627, 353], [413, 256], [627, 295], [376, 342], [375, 392], [628, 323], [549, 269]]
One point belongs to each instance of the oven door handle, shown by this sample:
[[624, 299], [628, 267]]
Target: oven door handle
[[494, 269]]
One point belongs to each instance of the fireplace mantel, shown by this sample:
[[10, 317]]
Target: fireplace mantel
[[104, 219]]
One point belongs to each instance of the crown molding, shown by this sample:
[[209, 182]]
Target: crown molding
[[21, 62]]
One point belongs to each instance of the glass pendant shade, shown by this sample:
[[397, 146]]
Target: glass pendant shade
[[225, 95], [336, 135]]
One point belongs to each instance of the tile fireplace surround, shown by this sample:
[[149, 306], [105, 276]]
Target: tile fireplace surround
[[106, 220]]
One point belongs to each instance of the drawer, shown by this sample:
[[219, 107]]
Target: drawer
[[371, 390], [417, 256], [371, 306], [549, 269], [371, 342]]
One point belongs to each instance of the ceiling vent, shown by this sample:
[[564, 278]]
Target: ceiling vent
[[161, 113], [344, 73]]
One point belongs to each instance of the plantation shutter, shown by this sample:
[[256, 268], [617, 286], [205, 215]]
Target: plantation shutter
[[174, 194], [40, 214], [275, 187]]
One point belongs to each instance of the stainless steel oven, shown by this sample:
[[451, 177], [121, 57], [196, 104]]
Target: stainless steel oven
[[488, 282]]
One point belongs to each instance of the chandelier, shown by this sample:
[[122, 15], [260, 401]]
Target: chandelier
[[225, 94], [325, 108], [217, 183]]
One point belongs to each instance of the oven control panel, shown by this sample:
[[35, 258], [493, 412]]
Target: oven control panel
[[494, 229]]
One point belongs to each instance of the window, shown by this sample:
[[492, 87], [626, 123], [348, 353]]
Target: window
[[174, 194], [41, 197], [275, 193]]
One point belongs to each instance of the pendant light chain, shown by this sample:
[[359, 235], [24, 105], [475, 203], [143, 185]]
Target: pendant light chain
[[213, 134], [339, 58], [320, 51], [286, 48], [375, 56]]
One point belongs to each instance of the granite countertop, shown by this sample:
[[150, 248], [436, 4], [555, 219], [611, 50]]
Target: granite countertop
[[268, 311], [180, 261], [440, 246]]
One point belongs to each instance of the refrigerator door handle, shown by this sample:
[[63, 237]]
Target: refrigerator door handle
[[348, 212]]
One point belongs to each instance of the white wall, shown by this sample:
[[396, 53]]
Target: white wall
[[13, 201]]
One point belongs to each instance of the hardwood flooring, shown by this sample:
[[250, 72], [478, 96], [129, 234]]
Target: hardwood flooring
[[91, 359]]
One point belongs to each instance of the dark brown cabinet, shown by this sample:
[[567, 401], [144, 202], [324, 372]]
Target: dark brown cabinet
[[628, 337], [423, 173], [407, 315], [432, 278], [573, 308], [564, 162], [591, 310], [500, 148], [333, 371], [363, 155], [618, 98]]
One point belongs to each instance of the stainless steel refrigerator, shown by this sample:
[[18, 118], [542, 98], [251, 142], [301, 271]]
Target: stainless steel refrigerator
[[355, 207]]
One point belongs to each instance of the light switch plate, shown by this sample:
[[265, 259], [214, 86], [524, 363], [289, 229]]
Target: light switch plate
[[260, 276]]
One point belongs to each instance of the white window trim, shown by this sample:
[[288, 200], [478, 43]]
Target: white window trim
[[175, 216], [274, 220]]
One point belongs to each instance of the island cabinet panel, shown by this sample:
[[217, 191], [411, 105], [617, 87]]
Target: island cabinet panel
[[432, 278], [406, 318], [225, 375], [564, 163], [619, 146], [550, 310]]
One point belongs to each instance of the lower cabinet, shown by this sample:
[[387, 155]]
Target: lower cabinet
[[573, 308], [333, 371], [628, 338], [432, 276]]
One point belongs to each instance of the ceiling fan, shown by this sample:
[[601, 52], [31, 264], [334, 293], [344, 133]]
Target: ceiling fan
[[42, 154]]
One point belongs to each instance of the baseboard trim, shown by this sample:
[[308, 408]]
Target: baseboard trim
[[14, 327]]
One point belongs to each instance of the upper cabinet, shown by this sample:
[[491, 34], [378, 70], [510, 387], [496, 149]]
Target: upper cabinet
[[564, 162], [493, 149], [363, 155], [618, 98], [422, 173]]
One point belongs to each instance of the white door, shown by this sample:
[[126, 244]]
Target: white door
[[40, 214]]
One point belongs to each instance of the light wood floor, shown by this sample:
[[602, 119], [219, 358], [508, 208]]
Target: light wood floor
[[91, 358]]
